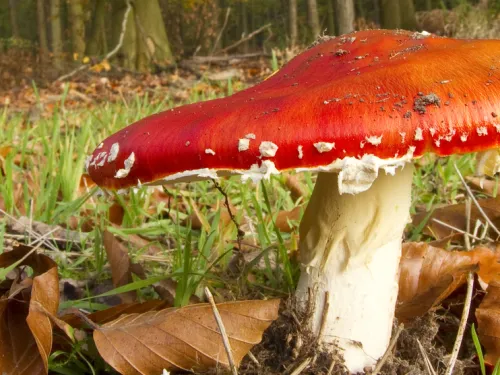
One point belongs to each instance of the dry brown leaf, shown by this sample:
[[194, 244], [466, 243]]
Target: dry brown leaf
[[26, 333], [284, 218], [429, 274], [5, 150], [186, 338], [120, 263], [74, 319], [488, 323], [454, 215], [296, 187], [483, 184]]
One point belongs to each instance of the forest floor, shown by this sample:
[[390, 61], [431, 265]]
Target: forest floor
[[169, 243]]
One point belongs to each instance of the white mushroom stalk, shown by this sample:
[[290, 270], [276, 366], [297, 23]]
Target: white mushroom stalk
[[350, 247]]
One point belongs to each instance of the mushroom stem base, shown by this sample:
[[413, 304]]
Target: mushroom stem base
[[350, 247]]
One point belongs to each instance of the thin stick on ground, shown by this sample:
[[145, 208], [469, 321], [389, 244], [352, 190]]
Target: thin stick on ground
[[226, 18], [427, 361], [388, 352], [302, 366], [222, 329], [324, 314], [470, 284], [476, 203], [111, 53], [458, 230], [240, 233], [332, 366], [253, 359]]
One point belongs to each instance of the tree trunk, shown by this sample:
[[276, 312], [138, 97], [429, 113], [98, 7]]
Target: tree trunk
[[152, 41], [407, 12], [244, 25], [292, 14], [97, 40], [344, 12], [359, 9], [312, 8], [376, 12], [391, 16], [428, 4], [77, 27], [55, 27], [13, 18], [127, 56], [330, 17], [42, 30]]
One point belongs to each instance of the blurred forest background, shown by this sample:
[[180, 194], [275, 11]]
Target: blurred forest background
[[46, 41]]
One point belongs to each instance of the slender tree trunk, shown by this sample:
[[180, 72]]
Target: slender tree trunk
[[344, 12], [127, 56], [407, 12], [292, 14], [77, 27], [42, 30], [13, 18], [391, 16], [244, 24], [360, 9], [330, 17], [376, 11], [152, 41], [97, 40], [428, 4], [56, 33], [312, 8]]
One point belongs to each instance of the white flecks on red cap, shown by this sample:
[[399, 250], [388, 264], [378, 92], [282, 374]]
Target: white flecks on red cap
[[268, 149]]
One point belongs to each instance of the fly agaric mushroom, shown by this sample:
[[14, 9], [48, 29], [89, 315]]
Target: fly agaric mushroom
[[357, 109]]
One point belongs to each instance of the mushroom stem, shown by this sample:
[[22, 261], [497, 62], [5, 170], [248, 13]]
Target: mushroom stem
[[350, 247]]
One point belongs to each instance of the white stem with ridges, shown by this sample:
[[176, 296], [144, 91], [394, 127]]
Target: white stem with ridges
[[350, 246]]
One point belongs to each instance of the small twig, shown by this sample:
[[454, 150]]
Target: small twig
[[468, 295], [468, 212], [222, 329], [111, 53], [427, 361], [476, 203], [324, 316], [228, 11], [302, 366], [253, 359], [82, 316], [332, 365], [240, 233], [462, 325], [465, 233], [388, 352], [33, 233], [244, 39]]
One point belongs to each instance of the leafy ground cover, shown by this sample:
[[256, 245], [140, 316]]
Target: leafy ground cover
[[167, 244]]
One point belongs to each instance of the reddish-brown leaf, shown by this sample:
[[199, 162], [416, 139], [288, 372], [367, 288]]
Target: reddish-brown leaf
[[296, 187], [284, 219], [25, 332], [120, 264], [104, 316], [454, 215], [488, 323], [186, 338], [429, 274]]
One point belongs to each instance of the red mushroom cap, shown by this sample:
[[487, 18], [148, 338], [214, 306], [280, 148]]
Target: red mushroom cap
[[385, 95]]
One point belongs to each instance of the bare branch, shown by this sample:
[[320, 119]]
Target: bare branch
[[248, 37], [110, 54]]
